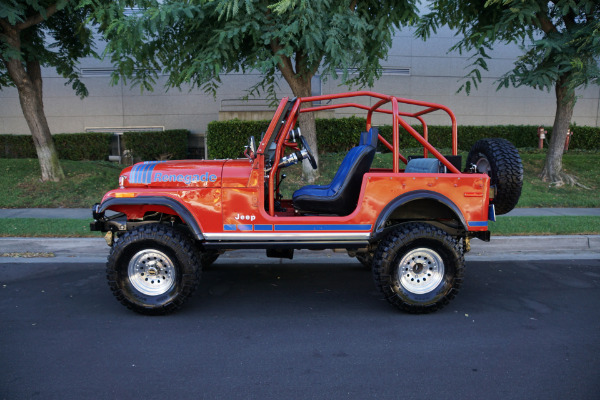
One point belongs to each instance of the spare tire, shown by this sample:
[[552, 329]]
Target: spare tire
[[501, 161]]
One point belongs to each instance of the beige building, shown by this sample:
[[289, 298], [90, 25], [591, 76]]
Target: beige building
[[414, 69]]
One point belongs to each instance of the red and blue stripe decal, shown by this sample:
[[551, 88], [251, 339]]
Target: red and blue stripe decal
[[297, 228], [477, 223], [142, 173]]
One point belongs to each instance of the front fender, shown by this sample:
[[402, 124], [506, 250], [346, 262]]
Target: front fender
[[178, 208]]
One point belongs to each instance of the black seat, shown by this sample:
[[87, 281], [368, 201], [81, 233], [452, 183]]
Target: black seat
[[341, 195]]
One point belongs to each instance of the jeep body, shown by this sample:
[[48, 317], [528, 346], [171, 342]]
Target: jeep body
[[222, 205]]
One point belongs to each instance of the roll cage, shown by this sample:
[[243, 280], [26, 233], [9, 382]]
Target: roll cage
[[286, 117]]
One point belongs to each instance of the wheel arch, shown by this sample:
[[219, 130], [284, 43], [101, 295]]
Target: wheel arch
[[178, 209], [419, 204]]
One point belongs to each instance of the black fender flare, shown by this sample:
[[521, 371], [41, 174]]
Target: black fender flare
[[412, 196], [173, 204]]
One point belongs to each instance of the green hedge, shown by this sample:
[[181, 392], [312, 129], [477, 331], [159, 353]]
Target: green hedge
[[70, 146], [163, 145], [170, 144], [441, 136], [17, 146], [585, 138], [226, 139], [341, 134], [83, 146]]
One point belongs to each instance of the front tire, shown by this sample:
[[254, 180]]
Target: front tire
[[418, 268], [153, 269]]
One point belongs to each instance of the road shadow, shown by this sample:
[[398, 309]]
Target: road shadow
[[259, 288]]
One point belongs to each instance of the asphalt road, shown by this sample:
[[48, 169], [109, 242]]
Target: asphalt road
[[518, 330]]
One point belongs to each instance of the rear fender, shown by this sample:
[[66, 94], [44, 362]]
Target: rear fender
[[421, 205]]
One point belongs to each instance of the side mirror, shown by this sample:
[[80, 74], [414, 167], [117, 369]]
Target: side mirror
[[250, 149]]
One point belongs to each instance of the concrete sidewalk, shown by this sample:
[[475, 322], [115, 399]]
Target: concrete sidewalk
[[57, 250], [501, 248]]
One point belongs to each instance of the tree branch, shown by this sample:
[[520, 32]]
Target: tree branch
[[300, 65], [5, 25], [10, 35], [570, 19], [36, 19], [546, 25], [285, 64]]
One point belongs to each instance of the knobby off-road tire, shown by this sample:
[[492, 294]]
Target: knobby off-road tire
[[419, 268], [501, 161], [153, 269]]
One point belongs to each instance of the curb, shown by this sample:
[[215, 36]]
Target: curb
[[542, 243], [88, 250]]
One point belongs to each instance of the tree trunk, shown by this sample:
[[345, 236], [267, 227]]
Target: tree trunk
[[565, 102], [29, 86], [301, 87]]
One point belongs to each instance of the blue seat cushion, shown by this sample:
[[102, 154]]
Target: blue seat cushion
[[424, 165], [341, 195], [366, 138], [369, 138]]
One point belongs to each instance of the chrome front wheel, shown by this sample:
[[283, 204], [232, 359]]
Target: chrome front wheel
[[151, 272], [153, 269]]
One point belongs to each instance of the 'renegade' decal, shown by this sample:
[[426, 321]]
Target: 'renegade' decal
[[144, 173]]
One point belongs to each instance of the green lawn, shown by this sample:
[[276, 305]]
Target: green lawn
[[564, 225], [586, 166], [85, 184], [87, 181], [46, 227], [504, 226]]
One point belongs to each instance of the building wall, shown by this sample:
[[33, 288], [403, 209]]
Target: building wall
[[414, 69]]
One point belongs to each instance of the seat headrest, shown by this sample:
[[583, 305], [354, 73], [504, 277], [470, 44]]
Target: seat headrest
[[370, 138]]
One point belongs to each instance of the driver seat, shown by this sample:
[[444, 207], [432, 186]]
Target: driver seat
[[341, 195]]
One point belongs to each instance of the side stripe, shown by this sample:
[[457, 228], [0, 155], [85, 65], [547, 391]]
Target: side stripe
[[478, 223], [332, 227], [297, 228]]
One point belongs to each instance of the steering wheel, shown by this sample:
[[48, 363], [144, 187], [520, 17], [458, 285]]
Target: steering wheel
[[310, 156]]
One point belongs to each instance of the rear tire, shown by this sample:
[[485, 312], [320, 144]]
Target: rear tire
[[501, 161], [153, 269], [418, 268]]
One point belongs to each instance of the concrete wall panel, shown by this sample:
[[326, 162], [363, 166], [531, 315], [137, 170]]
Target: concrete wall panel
[[10, 107], [70, 124], [435, 75], [14, 125], [63, 107]]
